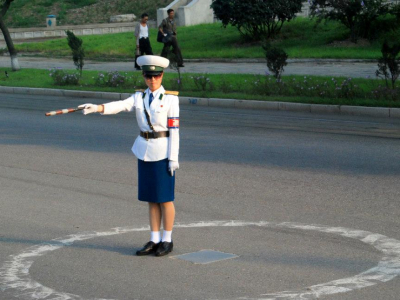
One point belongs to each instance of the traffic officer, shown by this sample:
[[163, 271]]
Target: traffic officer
[[156, 147]]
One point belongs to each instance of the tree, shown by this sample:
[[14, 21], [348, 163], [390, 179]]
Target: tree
[[357, 15], [388, 64], [78, 53], [256, 19], [5, 5]]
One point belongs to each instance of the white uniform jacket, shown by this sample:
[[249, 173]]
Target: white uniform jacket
[[164, 116]]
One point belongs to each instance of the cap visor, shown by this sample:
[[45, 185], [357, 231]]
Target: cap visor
[[154, 73]]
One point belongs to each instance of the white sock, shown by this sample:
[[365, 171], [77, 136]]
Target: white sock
[[167, 236], [155, 237]]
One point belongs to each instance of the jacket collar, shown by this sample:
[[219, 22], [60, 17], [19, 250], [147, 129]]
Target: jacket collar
[[156, 95]]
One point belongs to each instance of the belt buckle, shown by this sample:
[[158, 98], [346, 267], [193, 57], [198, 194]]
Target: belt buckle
[[146, 135]]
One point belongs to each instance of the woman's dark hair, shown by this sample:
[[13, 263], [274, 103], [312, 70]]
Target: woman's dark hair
[[169, 10], [144, 15]]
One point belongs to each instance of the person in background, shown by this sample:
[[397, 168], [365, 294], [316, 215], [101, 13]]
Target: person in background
[[142, 35], [168, 29]]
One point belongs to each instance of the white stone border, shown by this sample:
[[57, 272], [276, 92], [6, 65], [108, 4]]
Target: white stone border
[[59, 31], [15, 277]]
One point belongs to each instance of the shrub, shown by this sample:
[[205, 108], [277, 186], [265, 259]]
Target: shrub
[[203, 83], [135, 79], [360, 16], [256, 19], [111, 79], [61, 77], [309, 87], [276, 60], [225, 86], [175, 84], [388, 64], [386, 93]]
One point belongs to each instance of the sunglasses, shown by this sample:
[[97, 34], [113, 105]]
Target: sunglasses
[[148, 76]]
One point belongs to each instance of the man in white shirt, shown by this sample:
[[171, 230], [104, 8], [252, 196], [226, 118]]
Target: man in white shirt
[[142, 34]]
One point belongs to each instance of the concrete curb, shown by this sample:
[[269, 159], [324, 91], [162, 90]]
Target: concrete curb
[[289, 106], [228, 103], [365, 111]]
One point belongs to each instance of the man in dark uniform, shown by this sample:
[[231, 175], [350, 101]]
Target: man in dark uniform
[[168, 29]]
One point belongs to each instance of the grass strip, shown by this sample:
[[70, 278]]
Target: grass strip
[[224, 86]]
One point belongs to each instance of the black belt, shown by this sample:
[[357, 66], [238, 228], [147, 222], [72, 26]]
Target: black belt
[[154, 134]]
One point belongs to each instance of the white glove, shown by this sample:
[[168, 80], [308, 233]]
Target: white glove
[[88, 108], [173, 165], [165, 34]]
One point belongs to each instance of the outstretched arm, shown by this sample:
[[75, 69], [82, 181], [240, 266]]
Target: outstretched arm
[[110, 108]]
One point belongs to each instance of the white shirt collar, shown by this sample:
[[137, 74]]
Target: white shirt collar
[[156, 93]]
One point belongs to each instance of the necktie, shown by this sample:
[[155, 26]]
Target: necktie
[[151, 98]]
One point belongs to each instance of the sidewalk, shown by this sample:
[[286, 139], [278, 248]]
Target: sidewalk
[[329, 67]]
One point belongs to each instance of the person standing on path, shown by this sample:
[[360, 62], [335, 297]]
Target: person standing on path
[[168, 29], [142, 35], [156, 147]]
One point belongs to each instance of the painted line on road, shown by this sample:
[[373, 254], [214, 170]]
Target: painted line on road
[[15, 277]]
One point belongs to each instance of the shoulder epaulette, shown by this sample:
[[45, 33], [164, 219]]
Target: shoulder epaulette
[[175, 93], [172, 93]]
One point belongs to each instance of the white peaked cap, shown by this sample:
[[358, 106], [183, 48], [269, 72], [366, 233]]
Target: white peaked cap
[[153, 60]]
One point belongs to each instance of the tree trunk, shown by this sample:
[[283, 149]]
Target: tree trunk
[[10, 45]]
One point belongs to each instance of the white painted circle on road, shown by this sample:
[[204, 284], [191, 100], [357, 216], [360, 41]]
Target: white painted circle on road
[[15, 277]]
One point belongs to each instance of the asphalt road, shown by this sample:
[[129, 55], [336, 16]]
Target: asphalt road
[[70, 176]]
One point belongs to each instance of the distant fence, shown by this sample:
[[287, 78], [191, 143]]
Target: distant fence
[[59, 31]]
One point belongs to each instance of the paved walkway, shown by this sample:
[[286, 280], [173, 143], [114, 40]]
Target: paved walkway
[[348, 68]]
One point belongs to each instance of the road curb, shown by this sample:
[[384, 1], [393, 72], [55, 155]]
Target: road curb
[[365, 111], [227, 103], [395, 112]]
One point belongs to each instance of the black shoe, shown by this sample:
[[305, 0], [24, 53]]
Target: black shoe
[[164, 248], [149, 248], [181, 66]]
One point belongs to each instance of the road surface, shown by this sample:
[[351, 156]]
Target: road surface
[[67, 181]]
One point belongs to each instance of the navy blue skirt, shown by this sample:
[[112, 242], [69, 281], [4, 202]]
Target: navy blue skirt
[[156, 184]]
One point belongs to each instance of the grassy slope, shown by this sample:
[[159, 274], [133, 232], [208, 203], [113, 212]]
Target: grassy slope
[[32, 13], [28, 13], [299, 38]]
